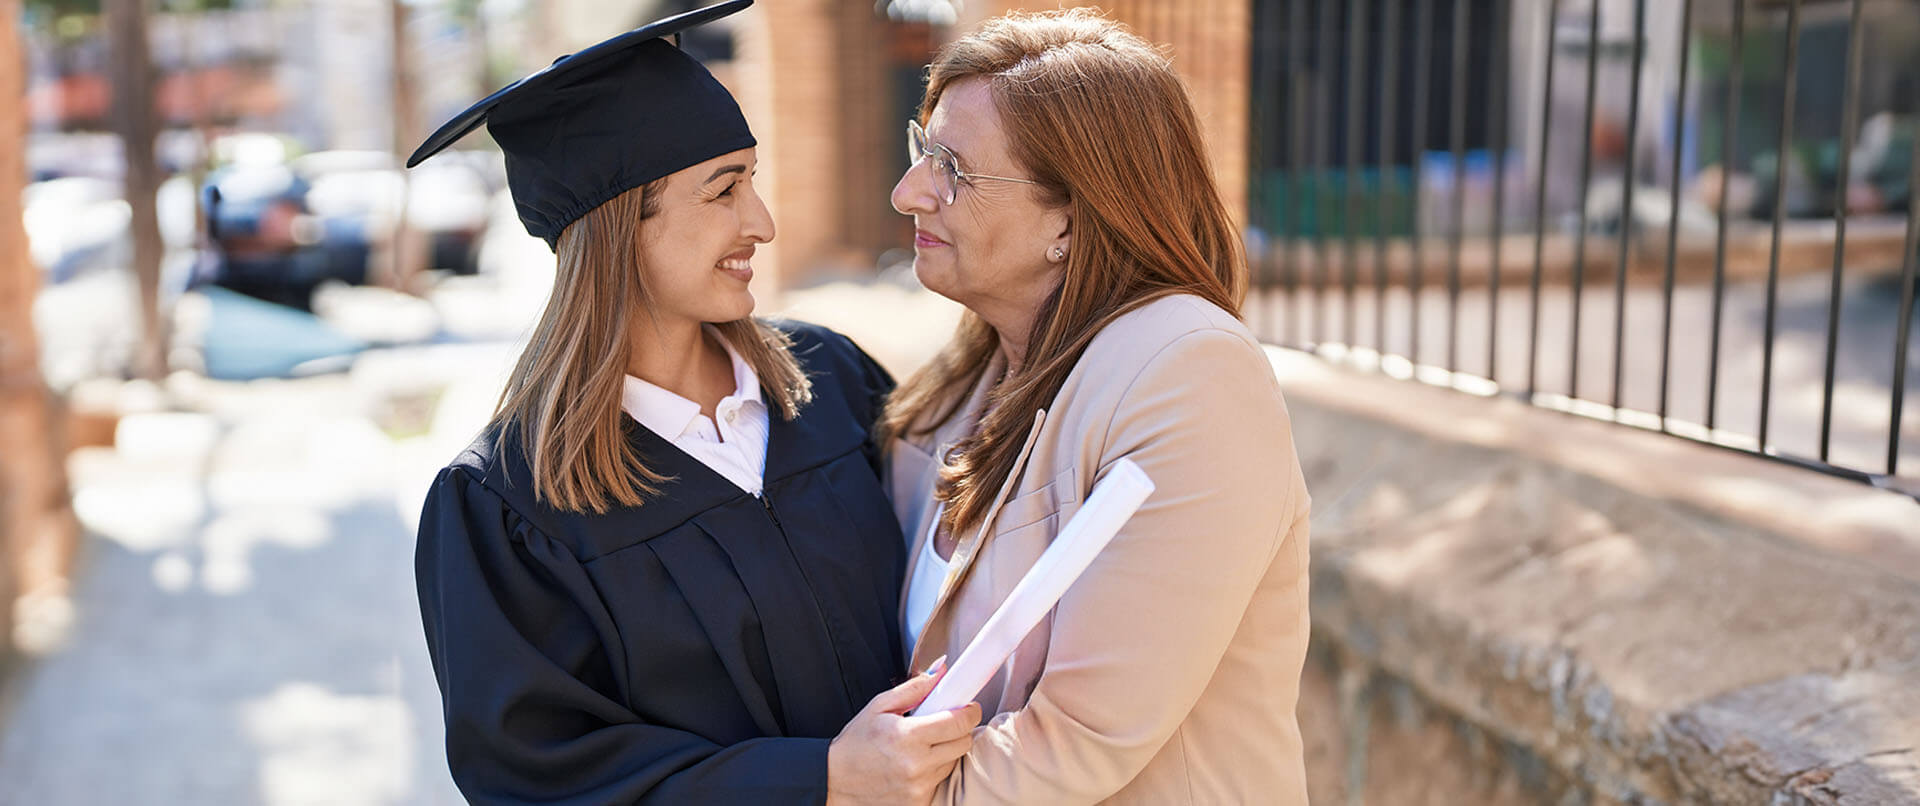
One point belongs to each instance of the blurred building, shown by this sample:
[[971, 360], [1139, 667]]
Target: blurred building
[[829, 85], [321, 73]]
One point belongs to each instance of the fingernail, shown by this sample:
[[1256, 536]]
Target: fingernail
[[938, 664]]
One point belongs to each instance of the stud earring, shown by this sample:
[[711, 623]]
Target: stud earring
[[1059, 254]]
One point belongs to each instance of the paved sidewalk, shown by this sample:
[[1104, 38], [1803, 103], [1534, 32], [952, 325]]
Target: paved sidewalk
[[246, 629]]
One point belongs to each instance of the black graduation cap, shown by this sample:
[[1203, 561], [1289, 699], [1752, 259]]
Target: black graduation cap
[[603, 121]]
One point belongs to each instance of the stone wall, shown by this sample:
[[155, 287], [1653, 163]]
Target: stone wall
[[1515, 605]]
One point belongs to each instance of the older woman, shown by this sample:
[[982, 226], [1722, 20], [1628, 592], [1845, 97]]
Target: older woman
[[1060, 190]]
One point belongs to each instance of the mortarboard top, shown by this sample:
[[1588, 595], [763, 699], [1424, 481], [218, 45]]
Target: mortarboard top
[[603, 121]]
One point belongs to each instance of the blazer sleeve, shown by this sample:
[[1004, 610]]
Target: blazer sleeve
[[520, 646], [1138, 637]]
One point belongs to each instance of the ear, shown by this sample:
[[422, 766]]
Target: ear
[[1059, 222]]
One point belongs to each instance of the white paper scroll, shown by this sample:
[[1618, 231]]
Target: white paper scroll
[[1112, 502]]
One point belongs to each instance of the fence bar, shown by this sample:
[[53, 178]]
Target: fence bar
[[1268, 118], [1356, 121], [1907, 290], [1788, 91], [1728, 143], [1457, 119], [1323, 73], [1586, 179], [1497, 145], [1849, 126], [1673, 212], [1389, 81], [1626, 204], [1540, 204], [1422, 87], [1296, 80]]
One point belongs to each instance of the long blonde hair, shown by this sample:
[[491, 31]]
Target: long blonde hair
[[1097, 117], [563, 398]]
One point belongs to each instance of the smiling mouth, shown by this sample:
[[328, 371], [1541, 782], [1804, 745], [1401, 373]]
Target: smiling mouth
[[925, 238], [741, 260]]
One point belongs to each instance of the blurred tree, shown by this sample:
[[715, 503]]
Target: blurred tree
[[473, 17], [138, 123], [37, 528], [406, 261], [56, 9]]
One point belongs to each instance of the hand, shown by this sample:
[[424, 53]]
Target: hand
[[884, 756]]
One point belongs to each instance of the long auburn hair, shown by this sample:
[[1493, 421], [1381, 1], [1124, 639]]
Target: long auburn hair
[[1100, 121], [563, 398]]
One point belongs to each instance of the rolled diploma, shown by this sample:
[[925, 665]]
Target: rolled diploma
[[1112, 502]]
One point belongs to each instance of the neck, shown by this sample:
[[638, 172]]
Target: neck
[[1013, 349], [1012, 326], [678, 357]]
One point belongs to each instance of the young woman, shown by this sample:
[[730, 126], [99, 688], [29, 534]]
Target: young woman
[[666, 572]]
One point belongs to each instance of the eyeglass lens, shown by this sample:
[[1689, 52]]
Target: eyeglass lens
[[945, 181]]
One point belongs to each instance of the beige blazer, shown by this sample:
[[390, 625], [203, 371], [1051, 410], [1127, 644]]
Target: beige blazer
[[1168, 673]]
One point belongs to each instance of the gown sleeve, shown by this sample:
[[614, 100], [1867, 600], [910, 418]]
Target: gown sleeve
[[532, 696]]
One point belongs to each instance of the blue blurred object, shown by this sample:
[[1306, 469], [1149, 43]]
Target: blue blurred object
[[248, 338], [253, 211]]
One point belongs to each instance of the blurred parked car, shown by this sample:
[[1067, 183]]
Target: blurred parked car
[[76, 224], [285, 228], [255, 215], [81, 224], [359, 194]]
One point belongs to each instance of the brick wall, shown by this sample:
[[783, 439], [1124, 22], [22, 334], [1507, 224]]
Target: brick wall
[[811, 78], [1210, 46]]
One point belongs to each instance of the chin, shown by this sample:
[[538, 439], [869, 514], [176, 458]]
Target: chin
[[736, 309], [939, 280]]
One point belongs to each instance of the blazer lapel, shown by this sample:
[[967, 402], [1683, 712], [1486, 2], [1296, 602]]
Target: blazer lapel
[[963, 555]]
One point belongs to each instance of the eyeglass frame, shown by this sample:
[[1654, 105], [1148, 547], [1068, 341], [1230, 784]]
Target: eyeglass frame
[[916, 135]]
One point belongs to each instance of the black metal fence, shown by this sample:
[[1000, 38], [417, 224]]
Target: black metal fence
[[1473, 264]]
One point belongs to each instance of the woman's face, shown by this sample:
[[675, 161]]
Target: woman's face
[[698, 245], [992, 248]]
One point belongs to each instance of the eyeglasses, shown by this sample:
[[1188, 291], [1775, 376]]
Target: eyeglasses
[[947, 175]]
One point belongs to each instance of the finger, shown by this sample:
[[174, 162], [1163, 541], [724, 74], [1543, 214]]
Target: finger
[[949, 752], [944, 726], [905, 696]]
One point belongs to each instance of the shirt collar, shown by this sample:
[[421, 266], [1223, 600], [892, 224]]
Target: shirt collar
[[670, 415]]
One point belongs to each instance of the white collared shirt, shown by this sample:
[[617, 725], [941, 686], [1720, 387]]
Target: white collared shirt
[[735, 446]]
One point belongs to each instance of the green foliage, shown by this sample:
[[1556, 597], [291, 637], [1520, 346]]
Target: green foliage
[[60, 9]]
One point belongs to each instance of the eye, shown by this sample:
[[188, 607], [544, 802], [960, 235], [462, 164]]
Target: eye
[[728, 192], [947, 164]]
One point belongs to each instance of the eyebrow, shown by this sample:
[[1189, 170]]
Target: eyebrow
[[724, 170], [934, 141]]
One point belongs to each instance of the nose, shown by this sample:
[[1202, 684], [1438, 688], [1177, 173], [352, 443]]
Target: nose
[[913, 194], [757, 221]]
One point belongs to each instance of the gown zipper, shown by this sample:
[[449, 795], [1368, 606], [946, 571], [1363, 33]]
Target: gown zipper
[[826, 622]]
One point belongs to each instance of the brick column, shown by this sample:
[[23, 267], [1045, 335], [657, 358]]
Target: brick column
[[810, 76]]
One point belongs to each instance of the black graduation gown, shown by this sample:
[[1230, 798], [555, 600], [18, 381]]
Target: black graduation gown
[[701, 648]]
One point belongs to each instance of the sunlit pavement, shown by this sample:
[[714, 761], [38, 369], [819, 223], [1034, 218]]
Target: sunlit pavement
[[245, 628]]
